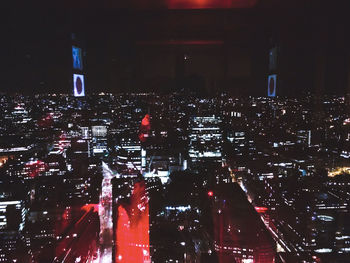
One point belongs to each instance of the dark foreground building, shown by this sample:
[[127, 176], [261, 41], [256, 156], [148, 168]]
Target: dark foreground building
[[239, 232]]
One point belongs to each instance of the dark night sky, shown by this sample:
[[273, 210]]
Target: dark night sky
[[142, 49]]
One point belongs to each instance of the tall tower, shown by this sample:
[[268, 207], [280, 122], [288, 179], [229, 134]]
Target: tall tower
[[272, 77], [78, 67]]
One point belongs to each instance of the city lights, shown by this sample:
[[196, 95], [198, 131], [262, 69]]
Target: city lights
[[175, 131]]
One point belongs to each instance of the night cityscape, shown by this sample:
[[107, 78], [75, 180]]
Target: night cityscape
[[176, 131]]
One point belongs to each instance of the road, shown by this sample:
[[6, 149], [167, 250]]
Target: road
[[104, 254]]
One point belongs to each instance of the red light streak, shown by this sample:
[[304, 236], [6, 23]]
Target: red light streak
[[88, 207], [261, 209], [133, 228], [79, 237]]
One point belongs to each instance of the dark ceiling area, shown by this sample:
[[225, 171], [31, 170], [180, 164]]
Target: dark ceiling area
[[166, 45]]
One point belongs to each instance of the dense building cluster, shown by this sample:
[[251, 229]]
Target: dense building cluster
[[174, 178]]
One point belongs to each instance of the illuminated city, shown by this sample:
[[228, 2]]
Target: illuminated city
[[173, 131]]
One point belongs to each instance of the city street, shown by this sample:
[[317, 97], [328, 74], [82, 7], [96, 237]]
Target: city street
[[104, 254]]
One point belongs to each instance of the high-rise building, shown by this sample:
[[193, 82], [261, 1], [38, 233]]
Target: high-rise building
[[12, 223], [12, 215], [272, 78], [99, 140], [239, 233], [78, 67], [129, 155], [205, 139]]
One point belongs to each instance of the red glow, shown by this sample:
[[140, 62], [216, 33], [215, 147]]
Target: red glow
[[35, 168], [223, 237], [183, 42], [260, 209], [202, 4], [142, 137], [132, 234], [76, 231], [88, 207], [145, 120], [210, 193], [62, 224], [46, 121], [145, 128]]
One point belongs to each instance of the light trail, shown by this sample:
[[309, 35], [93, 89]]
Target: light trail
[[106, 217], [64, 259]]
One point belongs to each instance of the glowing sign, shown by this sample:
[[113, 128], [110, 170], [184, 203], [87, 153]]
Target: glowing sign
[[77, 58], [78, 84], [271, 89]]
